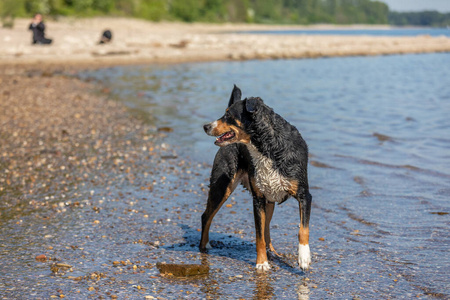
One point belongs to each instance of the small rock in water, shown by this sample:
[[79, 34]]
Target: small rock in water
[[440, 213], [60, 268], [319, 164], [169, 156], [182, 269], [165, 129], [41, 257], [382, 137]]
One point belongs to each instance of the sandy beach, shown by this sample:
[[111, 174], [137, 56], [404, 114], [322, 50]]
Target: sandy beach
[[139, 41]]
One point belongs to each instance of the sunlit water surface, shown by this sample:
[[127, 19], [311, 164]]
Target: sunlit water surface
[[394, 31], [378, 133]]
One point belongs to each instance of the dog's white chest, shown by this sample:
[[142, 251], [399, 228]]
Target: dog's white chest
[[268, 180]]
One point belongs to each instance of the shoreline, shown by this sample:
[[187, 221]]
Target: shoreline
[[141, 42]]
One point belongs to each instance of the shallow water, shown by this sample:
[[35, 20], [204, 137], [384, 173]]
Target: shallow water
[[368, 32], [377, 129]]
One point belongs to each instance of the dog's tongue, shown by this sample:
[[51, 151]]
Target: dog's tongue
[[224, 136]]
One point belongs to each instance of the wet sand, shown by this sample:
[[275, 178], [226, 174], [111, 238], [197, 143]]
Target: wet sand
[[58, 133], [138, 41]]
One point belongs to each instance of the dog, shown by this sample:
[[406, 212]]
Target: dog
[[261, 150]]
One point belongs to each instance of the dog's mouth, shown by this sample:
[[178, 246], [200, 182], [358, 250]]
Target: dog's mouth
[[229, 135]]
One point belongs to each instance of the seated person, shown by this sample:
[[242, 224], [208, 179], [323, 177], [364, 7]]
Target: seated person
[[38, 28]]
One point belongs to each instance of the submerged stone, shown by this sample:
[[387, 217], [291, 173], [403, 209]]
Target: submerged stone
[[182, 269]]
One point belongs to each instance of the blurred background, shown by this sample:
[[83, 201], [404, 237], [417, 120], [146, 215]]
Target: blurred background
[[394, 12], [104, 166]]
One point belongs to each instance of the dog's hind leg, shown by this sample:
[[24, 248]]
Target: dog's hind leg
[[304, 254], [270, 206]]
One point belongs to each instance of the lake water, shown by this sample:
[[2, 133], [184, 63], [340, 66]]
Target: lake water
[[378, 130], [370, 32]]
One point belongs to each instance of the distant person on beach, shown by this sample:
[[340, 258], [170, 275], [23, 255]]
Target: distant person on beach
[[38, 28], [106, 37]]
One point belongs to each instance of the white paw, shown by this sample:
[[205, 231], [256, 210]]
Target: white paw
[[208, 245], [263, 267], [304, 256]]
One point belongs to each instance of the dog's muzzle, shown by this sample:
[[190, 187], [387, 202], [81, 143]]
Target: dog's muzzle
[[208, 128]]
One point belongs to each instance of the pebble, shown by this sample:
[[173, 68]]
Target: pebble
[[41, 257]]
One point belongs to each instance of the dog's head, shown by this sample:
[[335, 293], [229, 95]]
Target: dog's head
[[233, 126]]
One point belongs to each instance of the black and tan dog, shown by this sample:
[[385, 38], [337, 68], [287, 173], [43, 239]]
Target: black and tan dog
[[269, 157]]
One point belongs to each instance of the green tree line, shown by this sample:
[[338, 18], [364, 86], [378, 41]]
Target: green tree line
[[424, 18], [257, 11]]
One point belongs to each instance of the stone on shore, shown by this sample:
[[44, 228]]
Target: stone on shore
[[182, 270]]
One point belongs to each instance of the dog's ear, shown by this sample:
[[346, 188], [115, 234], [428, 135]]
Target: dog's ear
[[235, 95], [252, 104]]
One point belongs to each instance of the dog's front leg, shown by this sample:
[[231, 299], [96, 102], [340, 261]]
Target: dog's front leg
[[259, 212], [221, 186], [218, 194]]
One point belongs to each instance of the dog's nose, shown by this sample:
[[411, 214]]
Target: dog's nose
[[207, 127]]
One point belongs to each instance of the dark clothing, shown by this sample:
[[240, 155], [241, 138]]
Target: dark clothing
[[106, 37], [38, 33]]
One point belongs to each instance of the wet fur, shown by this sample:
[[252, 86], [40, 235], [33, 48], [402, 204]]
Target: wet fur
[[267, 155]]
